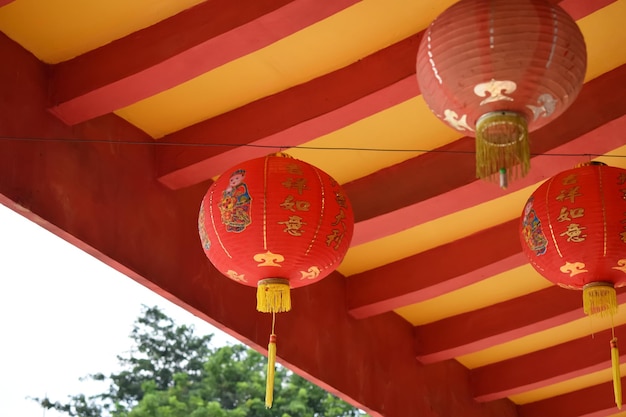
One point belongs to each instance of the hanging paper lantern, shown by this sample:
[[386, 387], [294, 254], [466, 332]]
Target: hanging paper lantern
[[498, 69], [275, 223], [573, 231]]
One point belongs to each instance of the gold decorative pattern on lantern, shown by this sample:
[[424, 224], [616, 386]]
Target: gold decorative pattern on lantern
[[269, 259], [495, 90], [621, 265], [235, 276], [573, 268], [459, 123], [311, 273]]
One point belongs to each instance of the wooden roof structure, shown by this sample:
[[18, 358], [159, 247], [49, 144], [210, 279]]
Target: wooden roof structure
[[116, 115]]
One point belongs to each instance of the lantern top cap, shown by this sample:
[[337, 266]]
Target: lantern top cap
[[598, 284], [281, 155], [591, 163]]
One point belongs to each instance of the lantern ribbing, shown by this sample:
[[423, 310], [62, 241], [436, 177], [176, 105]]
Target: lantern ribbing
[[573, 231], [525, 58], [275, 223]]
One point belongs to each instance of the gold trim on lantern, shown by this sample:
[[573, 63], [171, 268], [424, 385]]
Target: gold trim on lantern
[[600, 299], [502, 146], [273, 295]]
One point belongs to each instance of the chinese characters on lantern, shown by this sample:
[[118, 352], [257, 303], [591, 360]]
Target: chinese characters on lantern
[[621, 180], [294, 224], [570, 214]]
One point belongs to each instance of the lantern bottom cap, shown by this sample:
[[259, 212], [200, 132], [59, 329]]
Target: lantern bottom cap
[[273, 295], [600, 299], [502, 146]]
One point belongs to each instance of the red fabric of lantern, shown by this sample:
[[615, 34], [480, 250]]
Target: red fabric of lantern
[[573, 227], [573, 231], [277, 223], [497, 69]]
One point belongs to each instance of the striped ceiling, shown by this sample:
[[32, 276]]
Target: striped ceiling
[[333, 83]]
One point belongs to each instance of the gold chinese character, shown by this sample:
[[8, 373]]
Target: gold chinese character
[[623, 236], [623, 194], [293, 169], [570, 179], [621, 179], [574, 233], [340, 198], [298, 184], [569, 214], [569, 193], [292, 204], [339, 217], [293, 226], [334, 237]]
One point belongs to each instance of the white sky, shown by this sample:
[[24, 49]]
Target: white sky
[[63, 315]]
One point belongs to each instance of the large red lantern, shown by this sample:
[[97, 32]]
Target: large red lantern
[[573, 231], [497, 69], [275, 223]]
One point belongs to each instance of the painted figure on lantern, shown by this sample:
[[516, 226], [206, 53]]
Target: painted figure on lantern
[[532, 230], [235, 203]]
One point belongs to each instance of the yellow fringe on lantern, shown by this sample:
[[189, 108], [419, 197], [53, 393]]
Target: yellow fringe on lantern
[[502, 147], [273, 295], [617, 379], [599, 299], [271, 368]]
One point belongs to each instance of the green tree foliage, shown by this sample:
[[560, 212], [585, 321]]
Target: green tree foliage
[[171, 372]]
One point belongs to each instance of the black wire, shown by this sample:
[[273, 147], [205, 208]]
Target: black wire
[[276, 147]]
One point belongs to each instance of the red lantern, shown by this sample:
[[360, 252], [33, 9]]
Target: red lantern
[[275, 223], [573, 231], [497, 69]]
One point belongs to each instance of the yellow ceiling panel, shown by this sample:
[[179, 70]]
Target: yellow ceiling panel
[[496, 289], [386, 138], [604, 35], [435, 233], [564, 387], [319, 49], [573, 330], [59, 30]]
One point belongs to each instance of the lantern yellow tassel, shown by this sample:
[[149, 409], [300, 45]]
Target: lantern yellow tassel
[[600, 299], [271, 367], [502, 146], [273, 295], [617, 379]]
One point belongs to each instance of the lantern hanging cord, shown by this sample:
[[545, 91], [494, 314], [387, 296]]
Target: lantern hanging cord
[[273, 321], [283, 147]]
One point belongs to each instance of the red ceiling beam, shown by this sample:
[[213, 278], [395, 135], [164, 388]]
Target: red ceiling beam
[[429, 274], [595, 401], [396, 285], [499, 323], [545, 367], [603, 139], [291, 117], [5, 2], [581, 8], [174, 51], [306, 112], [451, 169], [54, 183]]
